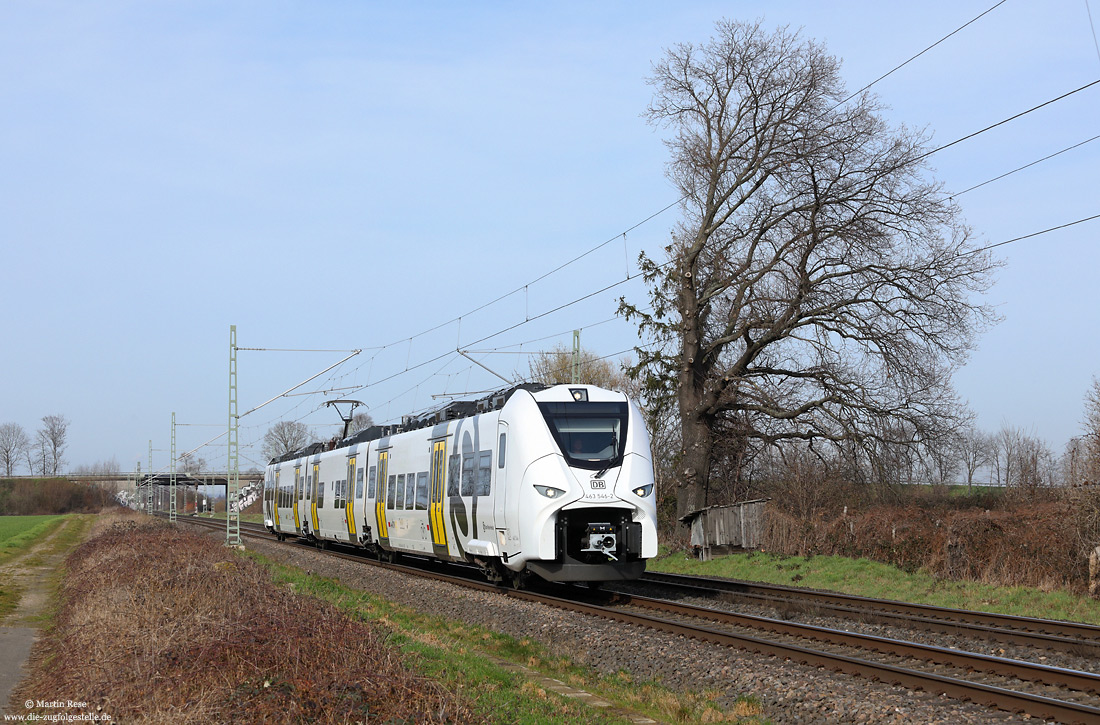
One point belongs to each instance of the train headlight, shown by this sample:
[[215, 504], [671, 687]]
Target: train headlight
[[550, 491], [643, 491]]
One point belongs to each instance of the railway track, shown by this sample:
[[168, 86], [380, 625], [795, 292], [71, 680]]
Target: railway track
[[1073, 637], [1016, 686]]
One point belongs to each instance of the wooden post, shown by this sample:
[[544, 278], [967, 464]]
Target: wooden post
[[1094, 573]]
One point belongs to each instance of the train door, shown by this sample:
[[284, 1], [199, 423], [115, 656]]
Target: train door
[[380, 502], [349, 505], [296, 496], [500, 490], [318, 497], [273, 501], [435, 503]]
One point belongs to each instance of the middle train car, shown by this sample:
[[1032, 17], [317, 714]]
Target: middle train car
[[556, 482]]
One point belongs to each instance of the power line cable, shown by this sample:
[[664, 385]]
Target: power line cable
[[897, 68], [1034, 234], [1026, 166], [1010, 118]]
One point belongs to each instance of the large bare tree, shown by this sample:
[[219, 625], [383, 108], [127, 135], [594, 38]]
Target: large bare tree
[[286, 436], [820, 286], [13, 444]]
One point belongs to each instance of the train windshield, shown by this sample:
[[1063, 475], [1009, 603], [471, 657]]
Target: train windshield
[[590, 435]]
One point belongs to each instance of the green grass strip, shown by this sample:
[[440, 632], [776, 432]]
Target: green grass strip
[[18, 533], [453, 653]]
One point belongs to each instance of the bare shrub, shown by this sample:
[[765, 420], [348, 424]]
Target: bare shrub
[[158, 625], [1038, 545]]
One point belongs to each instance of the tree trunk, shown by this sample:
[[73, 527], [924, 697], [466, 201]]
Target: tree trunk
[[698, 441]]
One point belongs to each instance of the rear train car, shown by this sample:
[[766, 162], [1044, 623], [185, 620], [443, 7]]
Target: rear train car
[[555, 482]]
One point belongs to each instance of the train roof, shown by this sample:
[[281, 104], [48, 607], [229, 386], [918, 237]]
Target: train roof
[[451, 411]]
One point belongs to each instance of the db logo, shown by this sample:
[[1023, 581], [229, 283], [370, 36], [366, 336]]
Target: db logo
[[599, 484]]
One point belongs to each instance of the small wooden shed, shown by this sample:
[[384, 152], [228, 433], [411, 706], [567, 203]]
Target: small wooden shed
[[718, 530]]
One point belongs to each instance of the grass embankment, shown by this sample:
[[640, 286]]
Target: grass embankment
[[867, 578], [454, 653]]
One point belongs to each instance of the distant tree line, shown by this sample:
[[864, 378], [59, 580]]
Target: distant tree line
[[42, 454]]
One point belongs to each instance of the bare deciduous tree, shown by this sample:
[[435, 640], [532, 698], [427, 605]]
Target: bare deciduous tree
[[976, 449], [52, 439], [286, 436], [1026, 461], [109, 467], [555, 367], [360, 421], [13, 444], [191, 463], [1091, 439], [819, 287]]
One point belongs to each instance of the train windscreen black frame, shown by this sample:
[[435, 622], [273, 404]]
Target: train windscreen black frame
[[590, 435]]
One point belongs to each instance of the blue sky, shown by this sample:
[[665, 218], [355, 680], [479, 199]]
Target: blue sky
[[346, 175]]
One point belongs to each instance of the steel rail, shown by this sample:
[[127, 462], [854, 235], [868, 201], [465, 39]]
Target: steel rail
[[998, 697], [1052, 633], [1019, 669]]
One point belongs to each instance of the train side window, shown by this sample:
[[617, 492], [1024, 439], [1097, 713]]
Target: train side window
[[422, 491], [359, 484], [410, 490], [391, 491], [400, 491], [298, 485], [468, 475], [370, 481], [320, 493], [484, 473], [500, 450], [452, 474]]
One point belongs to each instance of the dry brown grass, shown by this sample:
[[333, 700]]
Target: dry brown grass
[[159, 625]]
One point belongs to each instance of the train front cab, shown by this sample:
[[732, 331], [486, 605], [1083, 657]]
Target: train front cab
[[588, 508]]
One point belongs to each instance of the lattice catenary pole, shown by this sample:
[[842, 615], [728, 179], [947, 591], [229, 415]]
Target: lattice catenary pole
[[232, 479], [149, 488], [172, 476]]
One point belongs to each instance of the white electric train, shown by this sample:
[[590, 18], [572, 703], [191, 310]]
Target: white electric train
[[556, 482]]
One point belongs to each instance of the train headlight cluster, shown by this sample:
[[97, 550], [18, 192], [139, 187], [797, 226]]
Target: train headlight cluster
[[643, 491], [550, 491]]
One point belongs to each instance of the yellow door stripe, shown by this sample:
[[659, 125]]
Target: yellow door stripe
[[349, 492], [439, 531], [380, 502]]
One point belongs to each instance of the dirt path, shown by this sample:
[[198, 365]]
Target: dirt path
[[31, 572]]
